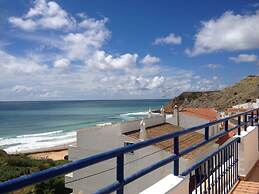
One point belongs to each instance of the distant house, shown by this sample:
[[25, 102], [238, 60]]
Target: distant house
[[189, 117], [248, 105], [102, 138], [232, 122]]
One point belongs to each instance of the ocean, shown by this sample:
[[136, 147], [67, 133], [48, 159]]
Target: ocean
[[36, 125]]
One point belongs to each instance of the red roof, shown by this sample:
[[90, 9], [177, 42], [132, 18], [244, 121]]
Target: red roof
[[235, 110], [206, 113], [226, 137]]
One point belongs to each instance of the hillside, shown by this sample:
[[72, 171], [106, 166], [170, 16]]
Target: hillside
[[244, 91], [12, 166]]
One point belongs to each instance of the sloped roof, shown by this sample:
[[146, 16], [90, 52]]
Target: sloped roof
[[186, 140], [235, 110], [206, 113]]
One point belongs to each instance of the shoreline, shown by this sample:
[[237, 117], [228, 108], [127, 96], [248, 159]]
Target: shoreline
[[54, 153], [47, 149]]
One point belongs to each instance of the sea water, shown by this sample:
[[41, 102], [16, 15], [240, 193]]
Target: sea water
[[44, 124]]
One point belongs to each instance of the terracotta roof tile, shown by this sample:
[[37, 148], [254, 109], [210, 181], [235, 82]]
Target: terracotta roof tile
[[205, 113], [235, 110], [186, 140]]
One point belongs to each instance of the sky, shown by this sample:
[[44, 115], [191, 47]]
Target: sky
[[130, 49]]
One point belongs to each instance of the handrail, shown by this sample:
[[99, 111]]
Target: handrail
[[33, 178]]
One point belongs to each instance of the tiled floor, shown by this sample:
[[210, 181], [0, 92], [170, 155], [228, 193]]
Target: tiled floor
[[251, 185]]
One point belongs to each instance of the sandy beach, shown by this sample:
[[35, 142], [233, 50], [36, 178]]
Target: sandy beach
[[54, 155]]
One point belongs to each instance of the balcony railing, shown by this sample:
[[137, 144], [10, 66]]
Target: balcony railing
[[217, 172]]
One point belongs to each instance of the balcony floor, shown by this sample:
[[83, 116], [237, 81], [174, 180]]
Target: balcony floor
[[251, 185]]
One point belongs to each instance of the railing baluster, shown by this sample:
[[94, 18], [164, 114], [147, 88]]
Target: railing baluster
[[216, 173], [213, 171], [205, 177], [209, 166], [200, 179], [252, 117], [226, 125], [176, 152], [220, 172], [196, 180], [228, 167], [237, 160], [206, 133], [235, 163], [190, 183], [231, 165], [223, 171], [120, 172]]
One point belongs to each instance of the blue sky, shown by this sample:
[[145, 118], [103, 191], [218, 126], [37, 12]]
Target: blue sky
[[52, 50]]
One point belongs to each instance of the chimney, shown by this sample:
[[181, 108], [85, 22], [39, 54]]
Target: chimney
[[149, 113], [162, 110], [142, 132]]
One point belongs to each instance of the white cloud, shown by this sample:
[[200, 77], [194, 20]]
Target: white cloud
[[62, 63], [104, 61], [81, 45], [244, 58], [90, 71], [213, 66], [150, 60], [170, 39], [229, 32], [44, 15], [12, 65]]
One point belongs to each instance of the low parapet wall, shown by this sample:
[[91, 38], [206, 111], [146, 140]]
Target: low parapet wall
[[135, 125]]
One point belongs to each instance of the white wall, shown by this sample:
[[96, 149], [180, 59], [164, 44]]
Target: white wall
[[134, 125], [188, 121], [169, 185], [248, 150], [249, 105], [90, 185], [99, 139]]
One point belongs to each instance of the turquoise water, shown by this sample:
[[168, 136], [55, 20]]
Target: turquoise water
[[35, 125]]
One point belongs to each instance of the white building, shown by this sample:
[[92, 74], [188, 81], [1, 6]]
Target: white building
[[103, 138], [248, 105], [189, 117]]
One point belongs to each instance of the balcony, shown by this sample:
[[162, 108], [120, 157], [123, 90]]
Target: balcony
[[217, 172]]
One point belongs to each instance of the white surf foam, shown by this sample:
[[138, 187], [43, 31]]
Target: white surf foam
[[40, 134], [24, 143], [37, 146], [103, 124], [135, 114]]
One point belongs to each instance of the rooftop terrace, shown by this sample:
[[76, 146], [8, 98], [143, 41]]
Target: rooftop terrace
[[217, 172]]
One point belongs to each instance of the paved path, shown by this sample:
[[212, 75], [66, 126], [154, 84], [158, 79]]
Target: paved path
[[251, 185]]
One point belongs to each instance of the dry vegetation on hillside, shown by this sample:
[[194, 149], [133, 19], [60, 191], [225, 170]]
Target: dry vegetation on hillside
[[244, 91]]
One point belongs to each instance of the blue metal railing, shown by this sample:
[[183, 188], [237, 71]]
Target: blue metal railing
[[217, 173], [118, 153]]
